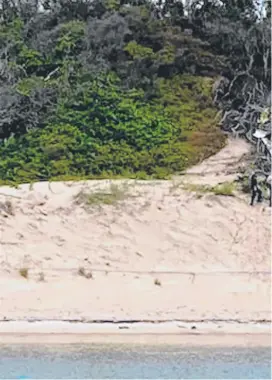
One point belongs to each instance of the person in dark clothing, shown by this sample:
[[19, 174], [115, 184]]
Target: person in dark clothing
[[255, 190], [268, 184]]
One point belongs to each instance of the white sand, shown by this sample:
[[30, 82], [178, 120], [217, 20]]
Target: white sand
[[210, 254]]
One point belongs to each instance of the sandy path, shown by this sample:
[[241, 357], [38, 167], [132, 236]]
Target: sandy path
[[210, 254]]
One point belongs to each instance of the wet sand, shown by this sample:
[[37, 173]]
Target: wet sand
[[175, 332]]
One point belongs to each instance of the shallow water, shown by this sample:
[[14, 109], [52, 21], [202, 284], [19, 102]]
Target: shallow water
[[133, 361]]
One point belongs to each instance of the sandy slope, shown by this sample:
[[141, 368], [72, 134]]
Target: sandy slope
[[211, 254]]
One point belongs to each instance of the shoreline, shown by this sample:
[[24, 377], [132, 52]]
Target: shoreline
[[209, 333]]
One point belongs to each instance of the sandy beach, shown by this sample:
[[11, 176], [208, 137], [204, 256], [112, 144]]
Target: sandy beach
[[218, 334], [156, 251]]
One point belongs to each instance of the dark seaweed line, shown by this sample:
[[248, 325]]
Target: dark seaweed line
[[135, 321]]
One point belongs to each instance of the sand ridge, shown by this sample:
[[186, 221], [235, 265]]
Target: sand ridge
[[162, 252]]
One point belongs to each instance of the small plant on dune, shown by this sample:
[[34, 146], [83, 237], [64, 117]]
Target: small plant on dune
[[114, 195], [89, 275], [7, 207], [199, 196], [41, 277], [23, 272], [196, 188], [157, 282], [175, 186], [226, 189], [81, 272]]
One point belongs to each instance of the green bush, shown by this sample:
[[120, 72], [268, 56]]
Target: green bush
[[85, 106], [101, 130]]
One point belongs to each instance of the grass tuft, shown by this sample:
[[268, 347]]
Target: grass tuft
[[7, 207], [23, 272], [224, 189], [114, 195], [41, 277]]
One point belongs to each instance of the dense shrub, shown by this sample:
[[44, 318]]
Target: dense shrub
[[98, 89], [101, 130]]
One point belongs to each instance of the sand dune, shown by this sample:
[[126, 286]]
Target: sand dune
[[161, 252]]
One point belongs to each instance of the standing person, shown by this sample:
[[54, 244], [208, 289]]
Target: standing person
[[268, 184], [255, 190]]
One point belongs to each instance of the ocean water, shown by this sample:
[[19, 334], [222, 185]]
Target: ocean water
[[133, 362]]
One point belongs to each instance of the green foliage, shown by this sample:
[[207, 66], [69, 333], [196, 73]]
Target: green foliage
[[27, 85], [138, 51], [29, 57], [167, 54], [101, 131], [70, 39], [187, 99], [11, 32], [226, 189], [113, 4], [90, 101]]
